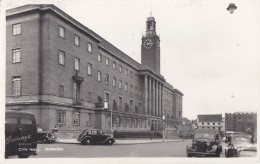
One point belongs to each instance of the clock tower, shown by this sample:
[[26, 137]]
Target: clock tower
[[150, 48]]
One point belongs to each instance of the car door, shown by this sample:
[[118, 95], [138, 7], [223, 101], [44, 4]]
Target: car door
[[102, 136], [11, 132]]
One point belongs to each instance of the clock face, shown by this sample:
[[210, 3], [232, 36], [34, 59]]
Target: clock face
[[148, 43]]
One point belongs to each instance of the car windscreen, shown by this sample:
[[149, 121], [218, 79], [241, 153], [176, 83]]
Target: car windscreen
[[241, 139], [204, 136]]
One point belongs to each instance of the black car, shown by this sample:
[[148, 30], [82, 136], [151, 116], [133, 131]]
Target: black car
[[240, 145], [95, 136], [46, 137], [205, 143]]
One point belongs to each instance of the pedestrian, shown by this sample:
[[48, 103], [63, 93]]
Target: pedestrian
[[55, 131]]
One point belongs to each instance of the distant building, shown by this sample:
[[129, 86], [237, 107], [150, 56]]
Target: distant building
[[213, 121], [241, 122]]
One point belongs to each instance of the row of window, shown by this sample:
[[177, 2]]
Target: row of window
[[219, 128], [62, 34], [99, 78], [168, 93], [99, 57], [120, 68], [61, 118], [167, 102], [212, 123], [119, 121], [17, 53]]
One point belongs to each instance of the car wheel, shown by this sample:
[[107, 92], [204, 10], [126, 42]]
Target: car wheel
[[87, 141], [110, 142], [44, 140], [189, 155]]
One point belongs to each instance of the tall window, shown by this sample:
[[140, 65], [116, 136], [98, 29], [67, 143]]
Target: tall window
[[17, 29], [77, 64], [114, 82], [61, 58], [99, 57], [120, 84], [131, 105], [17, 55], [89, 47], [99, 76], [76, 92], [120, 68], [16, 85], [131, 74], [140, 106], [89, 69], [117, 121], [106, 98], [124, 122], [107, 61], [62, 32], [125, 86], [90, 119], [61, 90], [107, 79], [61, 119], [130, 122], [126, 71], [76, 40], [114, 65], [131, 88], [120, 103], [89, 97], [76, 118]]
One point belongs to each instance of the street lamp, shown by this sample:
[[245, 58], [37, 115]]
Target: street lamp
[[231, 8], [163, 117], [106, 108]]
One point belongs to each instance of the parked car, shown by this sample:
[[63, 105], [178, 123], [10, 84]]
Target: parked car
[[95, 136], [46, 137], [20, 134], [240, 145], [205, 142]]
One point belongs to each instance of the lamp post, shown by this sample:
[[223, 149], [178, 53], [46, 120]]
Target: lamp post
[[106, 108], [183, 125], [163, 117]]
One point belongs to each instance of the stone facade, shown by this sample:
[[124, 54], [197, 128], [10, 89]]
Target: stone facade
[[241, 122]]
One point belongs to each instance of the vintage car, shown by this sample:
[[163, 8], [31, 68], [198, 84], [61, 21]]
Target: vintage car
[[95, 136], [240, 145], [46, 137], [20, 134], [206, 142]]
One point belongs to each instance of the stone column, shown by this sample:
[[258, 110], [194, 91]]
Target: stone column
[[162, 99], [156, 98], [146, 98], [150, 96], [159, 99], [153, 97]]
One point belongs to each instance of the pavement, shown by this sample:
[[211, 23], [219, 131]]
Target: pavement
[[125, 141]]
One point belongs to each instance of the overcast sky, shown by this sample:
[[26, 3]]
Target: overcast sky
[[210, 55]]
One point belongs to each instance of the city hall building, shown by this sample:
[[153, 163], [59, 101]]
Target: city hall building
[[63, 72]]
